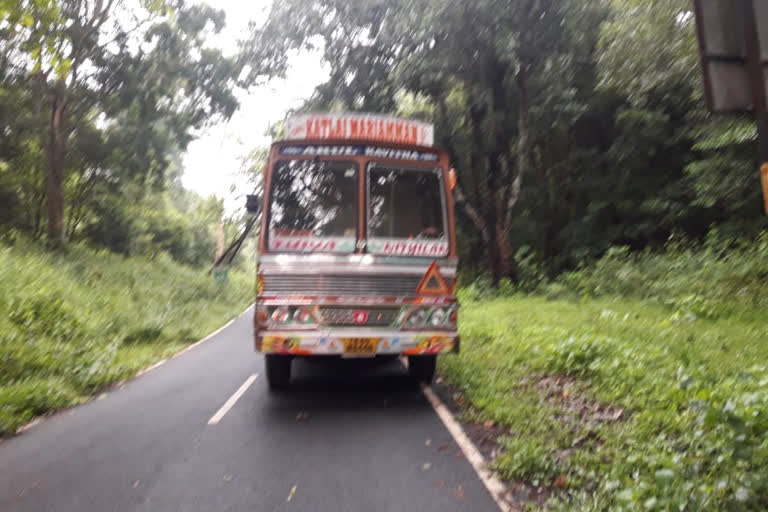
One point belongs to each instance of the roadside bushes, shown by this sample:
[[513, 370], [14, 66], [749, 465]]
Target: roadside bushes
[[74, 322], [720, 276], [615, 403], [636, 383]]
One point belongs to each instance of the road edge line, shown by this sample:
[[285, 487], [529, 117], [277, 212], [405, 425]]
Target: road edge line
[[186, 349], [492, 483], [40, 419], [232, 400]]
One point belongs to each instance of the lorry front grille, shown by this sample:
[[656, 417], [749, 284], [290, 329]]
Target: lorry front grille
[[340, 284]]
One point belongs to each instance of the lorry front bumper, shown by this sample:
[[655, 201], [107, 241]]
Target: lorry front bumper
[[332, 342]]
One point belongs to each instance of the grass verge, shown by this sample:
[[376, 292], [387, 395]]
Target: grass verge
[[72, 323], [627, 401]]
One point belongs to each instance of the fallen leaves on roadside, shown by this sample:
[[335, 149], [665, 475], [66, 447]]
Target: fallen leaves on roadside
[[426, 466], [489, 423], [577, 405], [302, 416], [443, 447], [227, 478], [561, 482], [459, 492], [428, 442], [291, 494], [136, 483]]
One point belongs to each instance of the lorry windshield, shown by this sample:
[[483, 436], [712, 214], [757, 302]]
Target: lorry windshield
[[313, 206], [405, 212]]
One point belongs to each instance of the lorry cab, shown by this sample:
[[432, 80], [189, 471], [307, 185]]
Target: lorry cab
[[357, 247]]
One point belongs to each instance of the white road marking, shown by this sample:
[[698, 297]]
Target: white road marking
[[121, 385], [190, 347], [232, 400], [29, 425], [473, 455]]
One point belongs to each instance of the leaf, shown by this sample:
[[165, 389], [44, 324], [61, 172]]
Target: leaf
[[624, 496], [459, 492], [291, 494], [62, 67]]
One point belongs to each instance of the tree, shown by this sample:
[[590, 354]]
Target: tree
[[648, 52], [102, 60], [475, 63]]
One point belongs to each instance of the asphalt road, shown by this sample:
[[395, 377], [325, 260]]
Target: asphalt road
[[350, 436]]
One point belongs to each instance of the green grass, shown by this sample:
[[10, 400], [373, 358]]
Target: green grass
[[630, 398], [72, 323]]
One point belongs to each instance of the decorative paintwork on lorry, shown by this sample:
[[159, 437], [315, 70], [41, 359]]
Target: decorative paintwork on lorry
[[387, 343]]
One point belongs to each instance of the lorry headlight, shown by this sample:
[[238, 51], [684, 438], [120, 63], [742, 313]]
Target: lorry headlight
[[438, 317], [418, 318], [303, 316], [281, 315]]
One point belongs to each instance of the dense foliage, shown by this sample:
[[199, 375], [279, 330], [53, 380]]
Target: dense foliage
[[72, 323], [575, 125], [98, 101], [639, 383]]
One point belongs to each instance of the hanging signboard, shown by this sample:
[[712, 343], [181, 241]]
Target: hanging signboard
[[728, 82], [366, 127]]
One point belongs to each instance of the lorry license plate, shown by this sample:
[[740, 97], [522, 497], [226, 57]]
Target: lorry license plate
[[360, 346]]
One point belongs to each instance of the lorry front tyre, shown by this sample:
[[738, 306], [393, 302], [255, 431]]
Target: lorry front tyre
[[422, 368], [278, 371]]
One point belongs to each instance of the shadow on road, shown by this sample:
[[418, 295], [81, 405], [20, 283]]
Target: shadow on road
[[348, 384]]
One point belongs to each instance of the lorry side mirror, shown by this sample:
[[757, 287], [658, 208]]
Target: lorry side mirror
[[252, 203]]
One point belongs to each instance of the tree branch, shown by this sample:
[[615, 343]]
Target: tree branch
[[523, 135], [474, 215]]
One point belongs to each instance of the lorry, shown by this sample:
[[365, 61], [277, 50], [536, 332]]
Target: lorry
[[357, 246]]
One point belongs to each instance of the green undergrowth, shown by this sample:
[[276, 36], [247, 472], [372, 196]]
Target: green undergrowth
[[641, 384], [74, 322]]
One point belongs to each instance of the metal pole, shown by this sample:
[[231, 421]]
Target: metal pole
[[757, 78]]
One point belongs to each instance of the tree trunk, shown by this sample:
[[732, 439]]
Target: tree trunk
[[54, 184], [501, 262], [498, 256]]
